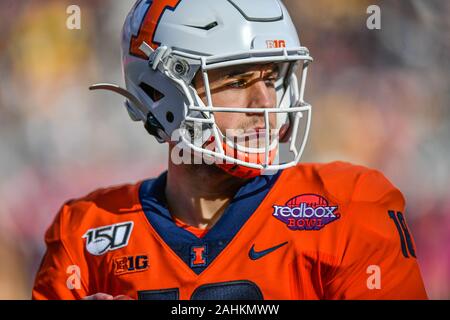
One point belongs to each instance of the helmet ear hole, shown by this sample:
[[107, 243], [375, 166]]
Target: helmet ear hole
[[154, 94], [170, 117]]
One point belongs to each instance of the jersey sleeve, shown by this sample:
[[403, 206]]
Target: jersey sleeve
[[60, 275], [378, 258]]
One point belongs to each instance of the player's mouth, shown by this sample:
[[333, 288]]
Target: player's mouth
[[253, 140]]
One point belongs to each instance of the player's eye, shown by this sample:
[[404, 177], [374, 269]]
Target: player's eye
[[238, 84], [270, 82]]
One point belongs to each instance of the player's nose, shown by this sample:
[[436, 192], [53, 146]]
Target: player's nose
[[260, 95]]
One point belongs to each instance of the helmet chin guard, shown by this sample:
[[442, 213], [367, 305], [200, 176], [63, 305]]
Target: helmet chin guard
[[166, 43]]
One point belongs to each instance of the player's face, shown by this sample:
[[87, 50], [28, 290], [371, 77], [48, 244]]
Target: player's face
[[245, 86]]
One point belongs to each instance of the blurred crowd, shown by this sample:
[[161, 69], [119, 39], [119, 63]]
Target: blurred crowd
[[380, 98]]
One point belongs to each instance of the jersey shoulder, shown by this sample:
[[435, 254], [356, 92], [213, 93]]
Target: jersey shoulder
[[345, 182], [362, 198], [100, 207], [116, 199]]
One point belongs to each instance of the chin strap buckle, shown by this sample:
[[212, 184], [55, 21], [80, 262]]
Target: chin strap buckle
[[155, 57]]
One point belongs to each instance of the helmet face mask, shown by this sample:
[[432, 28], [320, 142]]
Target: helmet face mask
[[170, 77], [288, 110]]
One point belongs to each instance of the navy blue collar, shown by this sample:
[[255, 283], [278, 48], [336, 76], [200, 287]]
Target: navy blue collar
[[196, 252]]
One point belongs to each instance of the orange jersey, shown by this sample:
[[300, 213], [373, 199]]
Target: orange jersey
[[315, 231]]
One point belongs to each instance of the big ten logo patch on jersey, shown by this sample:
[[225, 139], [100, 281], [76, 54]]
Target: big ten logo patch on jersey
[[306, 212], [130, 264], [198, 256], [107, 238]]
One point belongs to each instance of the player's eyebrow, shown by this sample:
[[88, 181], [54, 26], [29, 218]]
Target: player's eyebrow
[[239, 73], [248, 74]]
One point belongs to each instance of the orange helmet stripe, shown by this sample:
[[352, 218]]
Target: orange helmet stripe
[[148, 26]]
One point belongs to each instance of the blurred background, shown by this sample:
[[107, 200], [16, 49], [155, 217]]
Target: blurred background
[[380, 98]]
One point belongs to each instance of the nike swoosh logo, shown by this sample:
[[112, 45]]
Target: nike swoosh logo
[[255, 255]]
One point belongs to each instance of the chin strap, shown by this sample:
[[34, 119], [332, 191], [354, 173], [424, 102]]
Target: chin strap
[[152, 125]]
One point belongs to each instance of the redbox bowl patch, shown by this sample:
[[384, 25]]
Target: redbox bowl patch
[[306, 212]]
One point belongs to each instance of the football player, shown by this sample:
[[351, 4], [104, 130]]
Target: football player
[[235, 216]]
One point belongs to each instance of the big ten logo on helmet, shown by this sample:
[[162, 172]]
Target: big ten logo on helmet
[[306, 212], [107, 238], [130, 264], [271, 44]]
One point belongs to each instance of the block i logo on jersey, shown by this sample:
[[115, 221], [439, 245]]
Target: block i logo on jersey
[[198, 256], [306, 212]]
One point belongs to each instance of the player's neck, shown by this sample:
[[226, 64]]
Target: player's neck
[[199, 194]]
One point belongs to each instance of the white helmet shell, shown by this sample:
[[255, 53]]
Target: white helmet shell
[[165, 43]]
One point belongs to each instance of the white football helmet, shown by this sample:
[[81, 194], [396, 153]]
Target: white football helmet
[[166, 43]]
